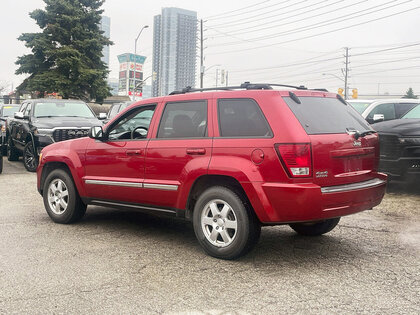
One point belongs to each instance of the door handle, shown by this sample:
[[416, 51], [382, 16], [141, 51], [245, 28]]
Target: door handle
[[133, 152], [196, 151]]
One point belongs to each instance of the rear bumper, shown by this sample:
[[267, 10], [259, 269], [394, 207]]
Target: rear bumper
[[286, 203]]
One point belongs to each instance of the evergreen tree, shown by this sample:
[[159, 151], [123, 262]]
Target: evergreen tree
[[66, 55], [409, 94]]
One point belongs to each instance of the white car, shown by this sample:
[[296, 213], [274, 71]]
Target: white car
[[383, 109]]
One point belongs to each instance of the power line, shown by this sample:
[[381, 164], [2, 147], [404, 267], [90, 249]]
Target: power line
[[237, 10], [319, 34], [259, 14], [320, 24]]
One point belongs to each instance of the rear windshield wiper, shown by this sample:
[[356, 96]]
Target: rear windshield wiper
[[357, 134]]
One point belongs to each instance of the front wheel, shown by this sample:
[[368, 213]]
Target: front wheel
[[30, 158], [315, 228], [61, 199], [224, 226]]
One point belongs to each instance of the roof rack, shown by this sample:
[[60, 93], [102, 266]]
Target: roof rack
[[245, 85]]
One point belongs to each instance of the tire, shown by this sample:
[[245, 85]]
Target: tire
[[12, 153], [1, 163], [315, 229], [223, 224], [30, 157], [61, 199]]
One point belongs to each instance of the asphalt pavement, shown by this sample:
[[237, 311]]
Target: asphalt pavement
[[127, 262]]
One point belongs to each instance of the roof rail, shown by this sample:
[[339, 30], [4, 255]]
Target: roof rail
[[246, 85]]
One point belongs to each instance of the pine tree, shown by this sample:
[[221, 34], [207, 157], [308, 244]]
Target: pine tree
[[66, 55], [409, 94]]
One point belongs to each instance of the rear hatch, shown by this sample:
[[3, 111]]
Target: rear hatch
[[344, 147]]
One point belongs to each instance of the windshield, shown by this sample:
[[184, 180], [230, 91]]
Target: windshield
[[360, 106], [321, 115], [9, 111], [62, 109], [413, 113]]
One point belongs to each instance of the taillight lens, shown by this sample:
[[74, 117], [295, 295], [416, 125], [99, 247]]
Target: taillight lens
[[296, 158]]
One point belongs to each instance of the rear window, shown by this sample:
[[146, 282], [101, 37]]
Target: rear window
[[413, 113], [320, 115]]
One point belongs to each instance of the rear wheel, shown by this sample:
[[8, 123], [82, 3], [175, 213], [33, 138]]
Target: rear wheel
[[30, 158], [61, 199], [12, 153], [315, 228], [224, 226]]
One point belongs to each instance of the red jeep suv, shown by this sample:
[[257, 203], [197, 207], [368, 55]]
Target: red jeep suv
[[230, 160]]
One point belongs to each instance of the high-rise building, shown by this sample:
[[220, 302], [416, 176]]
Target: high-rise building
[[105, 26], [174, 50]]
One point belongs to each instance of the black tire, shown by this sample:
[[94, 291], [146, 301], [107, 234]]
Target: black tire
[[316, 228], [242, 238], [75, 209], [30, 157], [12, 153], [1, 163]]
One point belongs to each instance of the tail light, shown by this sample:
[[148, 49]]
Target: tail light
[[296, 158]]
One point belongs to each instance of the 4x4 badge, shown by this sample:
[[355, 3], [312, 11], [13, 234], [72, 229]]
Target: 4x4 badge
[[357, 143]]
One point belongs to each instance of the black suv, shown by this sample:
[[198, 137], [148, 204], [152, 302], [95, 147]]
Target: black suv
[[41, 122], [400, 145]]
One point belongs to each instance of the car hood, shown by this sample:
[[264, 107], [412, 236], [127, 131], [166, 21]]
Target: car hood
[[76, 122], [403, 127]]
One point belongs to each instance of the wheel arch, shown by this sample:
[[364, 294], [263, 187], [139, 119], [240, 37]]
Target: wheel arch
[[49, 167], [206, 181]]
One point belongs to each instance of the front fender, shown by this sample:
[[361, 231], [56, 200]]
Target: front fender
[[70, 153]]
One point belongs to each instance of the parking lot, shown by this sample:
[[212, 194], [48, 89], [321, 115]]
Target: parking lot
[[127, 262]]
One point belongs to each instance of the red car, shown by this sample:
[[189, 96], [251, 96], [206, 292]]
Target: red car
[[230, 161]]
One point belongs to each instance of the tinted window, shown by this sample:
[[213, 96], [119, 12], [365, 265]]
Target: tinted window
[[403, 108], [62, 109], [184, 120], [133, 125], [388, 110], [413, 113], [241, 118], [320, 115]]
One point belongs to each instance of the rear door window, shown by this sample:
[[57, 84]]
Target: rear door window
[[321, 115], [242, 118], [184, 120]]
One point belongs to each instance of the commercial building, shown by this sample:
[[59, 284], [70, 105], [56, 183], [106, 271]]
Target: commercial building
[[129, 78], [174, 50], [105, 26]]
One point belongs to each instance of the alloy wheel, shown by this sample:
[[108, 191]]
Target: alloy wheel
[[219, 223], [58, 196]]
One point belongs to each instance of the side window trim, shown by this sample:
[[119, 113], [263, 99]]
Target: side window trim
[[271, 134]]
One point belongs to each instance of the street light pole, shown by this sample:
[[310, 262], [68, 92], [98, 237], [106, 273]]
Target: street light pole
[[135, 63]]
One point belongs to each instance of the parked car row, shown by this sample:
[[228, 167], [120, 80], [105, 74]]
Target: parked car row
[[40, 122], [230, 161]]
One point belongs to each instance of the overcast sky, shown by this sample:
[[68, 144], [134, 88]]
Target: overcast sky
[[283, 41]]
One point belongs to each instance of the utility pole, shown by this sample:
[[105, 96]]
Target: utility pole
[[217, 76], [201, 54], [346, 72]]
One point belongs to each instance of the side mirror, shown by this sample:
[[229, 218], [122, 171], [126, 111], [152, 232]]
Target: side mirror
[[102, 116], [378, 118], [18, 115], [96, 132]]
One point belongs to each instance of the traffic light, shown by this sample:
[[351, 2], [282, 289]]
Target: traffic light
[[354, 95], [340, 91]]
